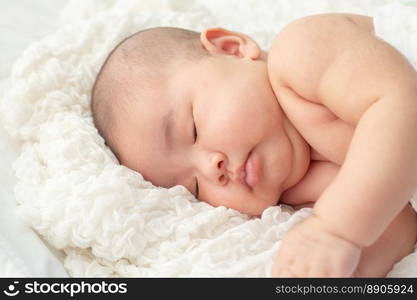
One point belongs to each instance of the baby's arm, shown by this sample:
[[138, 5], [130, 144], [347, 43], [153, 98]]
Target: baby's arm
[[336, 61]]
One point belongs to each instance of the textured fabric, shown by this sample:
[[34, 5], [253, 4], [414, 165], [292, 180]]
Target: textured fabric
[[22, 252]]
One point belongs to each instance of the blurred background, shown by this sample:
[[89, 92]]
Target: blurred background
[[22, 22]]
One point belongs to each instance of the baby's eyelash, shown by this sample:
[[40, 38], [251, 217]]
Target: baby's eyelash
[[196, 188], [195, 133]]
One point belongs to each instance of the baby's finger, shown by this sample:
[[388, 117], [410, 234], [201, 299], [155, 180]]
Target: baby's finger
[[318, 270], [279, 265], [286, 273], [276, 270], [282, 272]]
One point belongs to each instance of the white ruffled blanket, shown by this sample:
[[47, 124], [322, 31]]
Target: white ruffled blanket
[[107, 219]]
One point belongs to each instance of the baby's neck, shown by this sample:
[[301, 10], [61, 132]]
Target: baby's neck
[[301, 154]]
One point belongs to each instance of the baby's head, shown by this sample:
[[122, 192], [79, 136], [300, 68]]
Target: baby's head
[[198, 110]]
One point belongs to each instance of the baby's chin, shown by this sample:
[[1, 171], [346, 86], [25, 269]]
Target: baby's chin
[[271, 201]]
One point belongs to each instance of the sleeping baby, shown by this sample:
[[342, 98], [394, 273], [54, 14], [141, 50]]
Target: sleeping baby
[[326, 119]]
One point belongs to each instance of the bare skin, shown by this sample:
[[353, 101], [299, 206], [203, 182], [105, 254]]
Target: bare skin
[[362, 179], [375, 260], [334, 112]]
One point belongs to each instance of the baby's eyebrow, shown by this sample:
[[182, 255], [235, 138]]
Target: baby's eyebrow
[[167, 127]]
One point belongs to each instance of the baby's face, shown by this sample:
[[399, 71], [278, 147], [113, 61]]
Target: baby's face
[[216, 128]]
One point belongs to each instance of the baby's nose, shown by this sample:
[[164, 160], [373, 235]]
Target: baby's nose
[[217, 169], [222, 177]]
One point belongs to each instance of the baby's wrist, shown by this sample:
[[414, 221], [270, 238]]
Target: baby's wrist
[[334, 232]]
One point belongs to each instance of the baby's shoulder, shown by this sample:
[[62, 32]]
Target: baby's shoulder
[[303, 50], [326, 30]]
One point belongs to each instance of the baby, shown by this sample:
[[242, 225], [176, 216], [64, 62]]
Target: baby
[[326, 119]]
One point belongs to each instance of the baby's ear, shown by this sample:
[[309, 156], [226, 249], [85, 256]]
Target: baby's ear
[[219, 41]]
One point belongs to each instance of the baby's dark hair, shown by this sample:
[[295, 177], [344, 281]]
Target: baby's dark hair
[[147, 54]]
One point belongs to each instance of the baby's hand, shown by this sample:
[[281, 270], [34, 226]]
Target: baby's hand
[[311, 250]]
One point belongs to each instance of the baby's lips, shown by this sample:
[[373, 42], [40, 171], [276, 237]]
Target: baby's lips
[[252, 169]]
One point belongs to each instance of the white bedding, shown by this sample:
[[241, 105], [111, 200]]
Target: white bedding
[[22, 252], [105, 218]]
